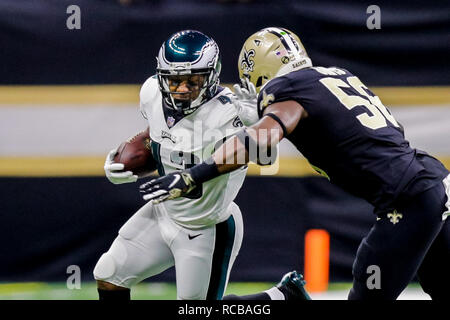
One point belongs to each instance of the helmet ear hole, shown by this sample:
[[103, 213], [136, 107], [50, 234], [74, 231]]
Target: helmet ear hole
[[259, 82]]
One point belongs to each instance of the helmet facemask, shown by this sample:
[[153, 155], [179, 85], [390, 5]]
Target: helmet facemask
[[185, 92]]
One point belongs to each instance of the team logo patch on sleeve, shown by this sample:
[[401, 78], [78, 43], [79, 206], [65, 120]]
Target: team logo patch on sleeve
[[224, 99], [266, 100]]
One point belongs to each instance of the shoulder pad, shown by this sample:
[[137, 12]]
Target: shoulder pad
[[149, 89], [225, 96]]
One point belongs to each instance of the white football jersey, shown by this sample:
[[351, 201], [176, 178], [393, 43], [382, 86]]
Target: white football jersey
[[178, 144]]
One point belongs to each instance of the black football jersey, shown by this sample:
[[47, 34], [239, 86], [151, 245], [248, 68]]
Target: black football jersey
[[350, 137]]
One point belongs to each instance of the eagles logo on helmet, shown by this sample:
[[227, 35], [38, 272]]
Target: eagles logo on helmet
[[190, 58]]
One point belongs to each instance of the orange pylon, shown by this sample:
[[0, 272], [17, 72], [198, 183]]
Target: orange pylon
[[317, 260]]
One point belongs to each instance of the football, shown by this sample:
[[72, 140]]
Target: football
[[136, 155]]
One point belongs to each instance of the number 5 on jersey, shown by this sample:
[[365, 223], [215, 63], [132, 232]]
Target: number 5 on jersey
[[379, 112]]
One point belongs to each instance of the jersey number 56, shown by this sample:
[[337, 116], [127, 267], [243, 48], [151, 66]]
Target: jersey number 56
[[380, 114]]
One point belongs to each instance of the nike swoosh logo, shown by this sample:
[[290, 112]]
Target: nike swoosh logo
[[192, 237], [177, 177]]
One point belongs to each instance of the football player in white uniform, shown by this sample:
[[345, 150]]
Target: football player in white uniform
[[188, 114]]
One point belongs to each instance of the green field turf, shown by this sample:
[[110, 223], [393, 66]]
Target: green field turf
[[143, 291], [88, 291]]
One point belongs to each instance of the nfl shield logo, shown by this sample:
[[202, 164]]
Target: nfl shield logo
[[170, 121]]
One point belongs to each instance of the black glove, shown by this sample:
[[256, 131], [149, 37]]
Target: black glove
[[171, 186]]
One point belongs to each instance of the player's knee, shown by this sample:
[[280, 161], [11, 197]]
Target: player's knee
[[105, 267], [361, 262], [104, 272]]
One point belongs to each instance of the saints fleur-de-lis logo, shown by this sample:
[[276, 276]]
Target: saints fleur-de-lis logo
[[266, 100], [394, 216], [247, 63]]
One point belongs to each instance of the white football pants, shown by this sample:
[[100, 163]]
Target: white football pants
[[150, 242]]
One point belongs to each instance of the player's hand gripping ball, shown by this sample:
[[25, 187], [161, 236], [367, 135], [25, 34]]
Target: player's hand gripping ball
[[133, 159]]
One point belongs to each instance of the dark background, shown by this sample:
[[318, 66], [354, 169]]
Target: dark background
[[118, 43], [50, 223]]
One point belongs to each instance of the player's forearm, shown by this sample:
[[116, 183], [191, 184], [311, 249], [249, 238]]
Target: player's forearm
[[229, 157], [236, 152], [246, 146]]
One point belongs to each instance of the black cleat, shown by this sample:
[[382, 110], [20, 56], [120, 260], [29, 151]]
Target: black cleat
[[292, 286]]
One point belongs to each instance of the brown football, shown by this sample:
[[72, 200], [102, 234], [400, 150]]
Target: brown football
[[135, 153]]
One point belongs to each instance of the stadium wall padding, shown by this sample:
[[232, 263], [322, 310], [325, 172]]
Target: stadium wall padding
[[49, 224], [118, 44]]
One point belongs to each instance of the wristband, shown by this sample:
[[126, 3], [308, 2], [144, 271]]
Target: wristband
[[204, 171]]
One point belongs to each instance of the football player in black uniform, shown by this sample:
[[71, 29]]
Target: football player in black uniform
[[349, 136]]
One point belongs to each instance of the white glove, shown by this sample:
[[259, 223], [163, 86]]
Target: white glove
[[245, 102], [111, 168]]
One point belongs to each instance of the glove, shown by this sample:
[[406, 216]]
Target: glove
[[111, 168], [171, 186], [245, 102]]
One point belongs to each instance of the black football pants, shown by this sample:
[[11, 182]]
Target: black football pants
[[417, 242]]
